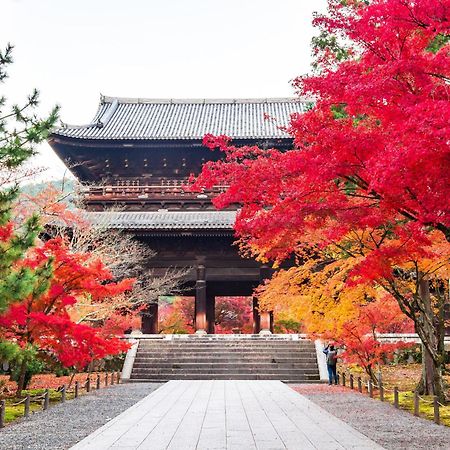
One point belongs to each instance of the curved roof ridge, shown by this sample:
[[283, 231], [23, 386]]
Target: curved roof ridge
[[139, 100]]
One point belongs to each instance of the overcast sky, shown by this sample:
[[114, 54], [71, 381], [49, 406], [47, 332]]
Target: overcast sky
[[73, 50]]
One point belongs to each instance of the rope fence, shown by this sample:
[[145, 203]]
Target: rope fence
[[44, 399], [370, 386]]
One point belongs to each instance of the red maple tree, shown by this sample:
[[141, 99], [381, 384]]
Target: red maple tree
[[43, 321], [360, 337], [370, 159]]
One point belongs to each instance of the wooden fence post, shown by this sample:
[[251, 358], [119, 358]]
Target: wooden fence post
[[351, 381], [380, 378], [76, 389], [396, 397], [370, 388], [416, 404], [118, 377], [2, 413], [112, 378], [88, 384], [343, 379], [26, 407], [359, 384], [437, 419], [98, 381], [381, 390], [46, 399], [63, 393]]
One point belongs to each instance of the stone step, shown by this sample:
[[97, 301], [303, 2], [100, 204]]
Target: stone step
[[251, 365], [228, 376], [159, 380], [233, 359], [290, 373], [167, 348], [238, 365], [228, 349], [225, 359], [230, 355]]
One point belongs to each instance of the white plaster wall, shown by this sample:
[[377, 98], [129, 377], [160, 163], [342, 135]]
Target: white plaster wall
[[321, 359], [129, 359]]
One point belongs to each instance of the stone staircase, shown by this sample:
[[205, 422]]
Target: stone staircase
[[226, 357]]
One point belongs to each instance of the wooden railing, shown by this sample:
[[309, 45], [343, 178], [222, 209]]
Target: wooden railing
[[93, 193]]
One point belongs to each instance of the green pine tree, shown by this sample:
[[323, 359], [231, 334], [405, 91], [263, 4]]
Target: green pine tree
[[21, 129]]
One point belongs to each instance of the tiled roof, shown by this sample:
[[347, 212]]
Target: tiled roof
[[164, 220], [119, 118]]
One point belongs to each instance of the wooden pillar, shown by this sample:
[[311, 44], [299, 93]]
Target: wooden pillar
[[210, 313], [265, 317], [256, 319], [150, 319], [201, 326]]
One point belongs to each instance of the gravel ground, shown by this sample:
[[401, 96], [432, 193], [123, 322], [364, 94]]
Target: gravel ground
[[391, 428], [64, 425]]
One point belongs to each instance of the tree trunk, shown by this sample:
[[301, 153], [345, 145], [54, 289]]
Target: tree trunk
[[22, 375], [431, 382], [370, 371], [71, 379]]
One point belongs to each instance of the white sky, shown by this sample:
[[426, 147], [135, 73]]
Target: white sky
[[73, 50]]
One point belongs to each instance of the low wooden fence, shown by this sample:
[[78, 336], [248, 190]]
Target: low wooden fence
[[108, 378], [379, 390]]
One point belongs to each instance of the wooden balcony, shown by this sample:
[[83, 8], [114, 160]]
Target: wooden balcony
[[127, 193]]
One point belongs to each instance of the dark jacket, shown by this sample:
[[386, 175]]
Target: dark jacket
[[331, 356]]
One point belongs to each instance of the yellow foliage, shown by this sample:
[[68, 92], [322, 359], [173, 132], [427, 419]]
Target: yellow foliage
[[317, 292], [315, 295]]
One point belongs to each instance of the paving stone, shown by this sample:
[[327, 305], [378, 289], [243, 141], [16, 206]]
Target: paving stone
[[225, 414]]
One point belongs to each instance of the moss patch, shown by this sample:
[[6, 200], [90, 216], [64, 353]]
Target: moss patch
[[13, 411], [426, 409]]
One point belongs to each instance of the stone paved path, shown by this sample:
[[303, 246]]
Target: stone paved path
[[242, 415]]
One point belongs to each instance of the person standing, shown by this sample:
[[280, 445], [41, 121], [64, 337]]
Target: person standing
[[332, 357]]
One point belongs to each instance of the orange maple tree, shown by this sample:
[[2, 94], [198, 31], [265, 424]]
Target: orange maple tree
[[317, 293]]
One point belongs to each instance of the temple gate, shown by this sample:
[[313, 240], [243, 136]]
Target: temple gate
[[138, 154]]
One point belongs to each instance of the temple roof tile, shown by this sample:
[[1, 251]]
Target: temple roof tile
[[178, 119], [163, 220]]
